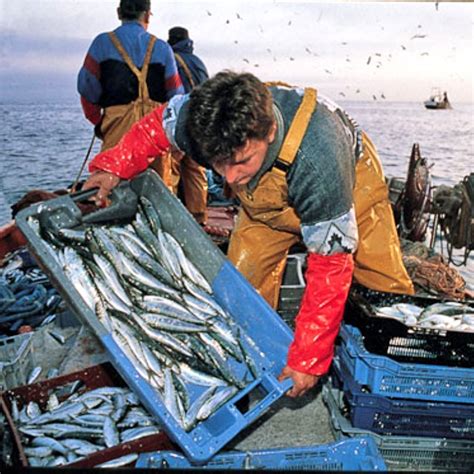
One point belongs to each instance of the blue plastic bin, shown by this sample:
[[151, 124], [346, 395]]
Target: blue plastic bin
[[254, 316], [403, 453], [387, 377], [401, 416], [359, 454]]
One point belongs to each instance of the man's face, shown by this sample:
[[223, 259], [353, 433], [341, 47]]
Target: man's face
[[247, 160]]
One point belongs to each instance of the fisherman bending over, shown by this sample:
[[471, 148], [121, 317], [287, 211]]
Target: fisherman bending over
[[303, 170]]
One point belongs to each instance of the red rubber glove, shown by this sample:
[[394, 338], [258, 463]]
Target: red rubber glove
[[328, 279], [137, 149]]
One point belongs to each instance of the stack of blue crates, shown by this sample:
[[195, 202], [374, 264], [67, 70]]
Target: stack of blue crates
[[422, 415], [358, 454]]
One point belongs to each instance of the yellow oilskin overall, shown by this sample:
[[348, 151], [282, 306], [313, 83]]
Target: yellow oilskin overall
[[267, 226], [192, 176], [194, 182], [118, 119]]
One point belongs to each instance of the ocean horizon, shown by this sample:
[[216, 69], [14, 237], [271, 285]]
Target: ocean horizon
[[45, 143]]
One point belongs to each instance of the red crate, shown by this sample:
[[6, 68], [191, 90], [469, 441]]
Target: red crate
[[102, 375]]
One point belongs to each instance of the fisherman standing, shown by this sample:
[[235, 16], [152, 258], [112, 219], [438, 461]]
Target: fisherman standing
[[126, 74], [303, 170], [184, 170]]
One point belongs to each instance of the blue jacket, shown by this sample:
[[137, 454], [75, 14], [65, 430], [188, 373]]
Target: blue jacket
[[105, 80], [197, 68]]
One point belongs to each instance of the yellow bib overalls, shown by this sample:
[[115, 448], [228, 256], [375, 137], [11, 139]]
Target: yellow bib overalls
[[118, 119], [192, 176], [267, 226]]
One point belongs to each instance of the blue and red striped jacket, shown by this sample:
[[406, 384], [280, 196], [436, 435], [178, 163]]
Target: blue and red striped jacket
[[105, 80]]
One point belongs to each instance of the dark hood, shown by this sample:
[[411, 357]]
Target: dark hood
[[183, 46]]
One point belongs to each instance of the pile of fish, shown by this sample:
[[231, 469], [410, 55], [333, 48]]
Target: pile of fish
[[80, 425], [26, 296], [159, 309], [449, 316]]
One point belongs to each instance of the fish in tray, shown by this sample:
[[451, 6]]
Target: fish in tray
[[80, 425], [160, 310], [449, 316]]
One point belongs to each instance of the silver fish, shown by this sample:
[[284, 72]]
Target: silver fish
[[170, 397], [163, 338], [136, 433], [169, 307], [15, 411], [446, 309], [137, 275], [199, 378], [171, 324], [38, 451], [215, 402], [191, 417], [34, 374], [111, 298], [151, 214], [81, 447], [136, 252], [170, 260], [118, 462], [111, 434], [111, 278], [187, 267], [53, 402], [51, 443]]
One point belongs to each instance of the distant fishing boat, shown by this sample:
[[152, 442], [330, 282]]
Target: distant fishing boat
[[438, 100]]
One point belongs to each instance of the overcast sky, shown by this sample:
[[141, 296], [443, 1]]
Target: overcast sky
[[348, 50]]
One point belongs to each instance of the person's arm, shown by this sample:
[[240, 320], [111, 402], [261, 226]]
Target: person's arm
[[173, 83], [135, 151], [330, 266], [88, 84], [328, 279], [320, 189]]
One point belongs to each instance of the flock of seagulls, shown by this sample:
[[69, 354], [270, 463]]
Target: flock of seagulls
[[375, 62]]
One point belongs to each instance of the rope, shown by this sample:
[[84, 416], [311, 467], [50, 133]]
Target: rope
[[73, 189], [434, 275]]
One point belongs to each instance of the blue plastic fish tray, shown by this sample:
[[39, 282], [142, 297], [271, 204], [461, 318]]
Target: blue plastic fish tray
[[384, 376], [402, 453], [231, 290], [359, 454], [397, 416]]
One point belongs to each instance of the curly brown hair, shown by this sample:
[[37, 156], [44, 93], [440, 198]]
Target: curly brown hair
[[224, 112]]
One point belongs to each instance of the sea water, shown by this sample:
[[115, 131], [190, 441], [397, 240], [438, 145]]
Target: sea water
[[43, 145]]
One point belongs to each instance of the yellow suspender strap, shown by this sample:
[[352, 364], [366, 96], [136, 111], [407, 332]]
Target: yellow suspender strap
[[141, 75], [185, 69], [297, 130]]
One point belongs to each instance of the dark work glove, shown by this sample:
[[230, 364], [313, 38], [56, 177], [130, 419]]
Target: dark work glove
[[98, 131]]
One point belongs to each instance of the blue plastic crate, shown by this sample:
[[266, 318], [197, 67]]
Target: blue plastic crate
[[16, 360], [269, 334], [359, 454], [402, 453], [400, 416], [387, 377]]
